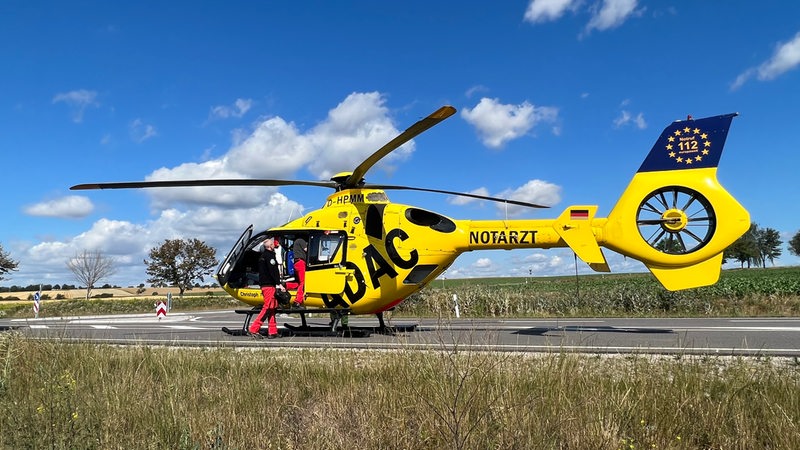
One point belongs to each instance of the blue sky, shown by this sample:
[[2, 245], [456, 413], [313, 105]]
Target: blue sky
[[558, 102]]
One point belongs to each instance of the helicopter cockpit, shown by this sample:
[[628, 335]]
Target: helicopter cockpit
[[240, 268]]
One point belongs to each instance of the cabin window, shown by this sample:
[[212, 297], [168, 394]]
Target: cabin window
[[324, 248]]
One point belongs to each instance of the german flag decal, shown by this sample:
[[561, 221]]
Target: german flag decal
[[578, 214]]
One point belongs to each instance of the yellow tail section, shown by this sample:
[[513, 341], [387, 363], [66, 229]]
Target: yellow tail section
[[701, 274], [674, 216]]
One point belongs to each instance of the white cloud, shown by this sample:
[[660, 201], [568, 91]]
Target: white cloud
[[475, 90], [785, 58], [459, 200], [482, 263], [273, 148], [353, 130], [498, 123], [360, 124], [605, 14], [276, 149], [548, 10], [626, 118], [71, 206], [141, 131], [78, 100], [238, 109], [611, 14], [129, 244], [534, 191]]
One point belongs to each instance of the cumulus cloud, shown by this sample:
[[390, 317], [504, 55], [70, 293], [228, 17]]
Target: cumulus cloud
[[277, 149], [785, 58], [129, 243], [534, 191], [498, 123], [353, 130], [71, 206], [78, 101]]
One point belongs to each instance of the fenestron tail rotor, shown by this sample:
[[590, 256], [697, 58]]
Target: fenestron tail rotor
[[676, 220]]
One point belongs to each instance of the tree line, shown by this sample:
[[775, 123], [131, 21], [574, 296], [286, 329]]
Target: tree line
[[759, 245], [176, 262]]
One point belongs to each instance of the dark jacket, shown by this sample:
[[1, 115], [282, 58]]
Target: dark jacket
[[299, 249], [268, 274]]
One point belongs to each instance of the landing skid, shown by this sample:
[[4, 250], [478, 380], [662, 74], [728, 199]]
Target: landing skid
[[322, 331], [338, 326]]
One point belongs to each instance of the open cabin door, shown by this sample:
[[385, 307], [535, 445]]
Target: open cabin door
[[229, 263], [325, 267]]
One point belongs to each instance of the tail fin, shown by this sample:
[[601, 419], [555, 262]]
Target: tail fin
[[674, 216]]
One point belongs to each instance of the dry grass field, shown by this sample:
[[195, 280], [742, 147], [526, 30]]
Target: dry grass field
[[128, 292]]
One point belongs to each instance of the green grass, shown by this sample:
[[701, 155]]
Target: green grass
[[59, 395]]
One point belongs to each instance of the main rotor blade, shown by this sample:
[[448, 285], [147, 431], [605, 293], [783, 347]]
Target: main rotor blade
[[439, 115], [196, 183], [461, 194]]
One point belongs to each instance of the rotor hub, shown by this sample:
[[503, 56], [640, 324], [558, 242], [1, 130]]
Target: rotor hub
[[674, 220]]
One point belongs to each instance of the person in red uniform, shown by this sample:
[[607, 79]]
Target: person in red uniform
[[300, 254], [269, 278]]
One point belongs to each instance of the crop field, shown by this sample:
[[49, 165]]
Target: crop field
[[749, 292]]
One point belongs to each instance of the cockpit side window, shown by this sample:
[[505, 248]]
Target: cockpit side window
[[325, 248]]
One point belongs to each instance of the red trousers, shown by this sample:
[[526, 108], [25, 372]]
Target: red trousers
[[270, 305], [300, 273]]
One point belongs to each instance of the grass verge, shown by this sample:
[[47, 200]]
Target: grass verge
[[59, 395]]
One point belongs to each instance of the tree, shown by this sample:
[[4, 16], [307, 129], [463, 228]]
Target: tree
[[6, 263], [755, 247], [768, 241], [794, 244], [89, 267], [745, 249], [179, 262]]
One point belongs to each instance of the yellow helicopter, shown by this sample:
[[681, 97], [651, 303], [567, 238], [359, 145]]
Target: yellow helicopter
[[366, 254]]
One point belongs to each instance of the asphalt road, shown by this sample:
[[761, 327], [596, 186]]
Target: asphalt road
[[718, 336]]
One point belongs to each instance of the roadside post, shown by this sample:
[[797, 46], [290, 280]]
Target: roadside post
[[161, 310], [36, 299]]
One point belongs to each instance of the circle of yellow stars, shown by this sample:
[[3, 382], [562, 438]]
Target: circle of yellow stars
[[687, 131]]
